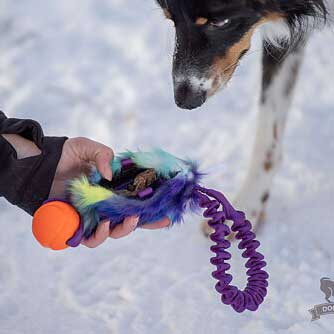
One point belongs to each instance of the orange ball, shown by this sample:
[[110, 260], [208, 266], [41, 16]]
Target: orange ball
[[54, 223]]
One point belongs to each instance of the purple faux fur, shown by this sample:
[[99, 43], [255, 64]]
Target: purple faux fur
[[170, 200]]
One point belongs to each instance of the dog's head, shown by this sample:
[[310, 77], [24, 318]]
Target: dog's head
[[211, 38], [213, 35]]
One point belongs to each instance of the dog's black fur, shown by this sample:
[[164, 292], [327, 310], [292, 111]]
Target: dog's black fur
[[204, 50]]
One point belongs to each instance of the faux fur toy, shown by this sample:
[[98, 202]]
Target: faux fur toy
[[154, 185]]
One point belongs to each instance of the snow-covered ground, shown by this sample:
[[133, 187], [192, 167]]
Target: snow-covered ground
[[101, 69]]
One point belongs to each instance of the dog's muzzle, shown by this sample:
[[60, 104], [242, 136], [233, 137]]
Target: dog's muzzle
[[187, 96]]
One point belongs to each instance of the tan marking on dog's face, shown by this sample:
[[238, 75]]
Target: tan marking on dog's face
[[224, 67], [167, 14], [272, 17], [201, 21]]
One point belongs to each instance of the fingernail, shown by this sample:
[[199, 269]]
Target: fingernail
[[134, 222], [107, 174]]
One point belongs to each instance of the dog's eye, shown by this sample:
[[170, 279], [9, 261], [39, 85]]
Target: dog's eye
[[221, 23]]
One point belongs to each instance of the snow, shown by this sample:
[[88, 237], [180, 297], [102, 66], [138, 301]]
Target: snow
[[101, 69]]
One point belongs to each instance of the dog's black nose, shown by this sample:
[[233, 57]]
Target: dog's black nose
[[187, 98]]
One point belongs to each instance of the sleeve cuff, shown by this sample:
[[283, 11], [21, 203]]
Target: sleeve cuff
[[26, 183], [38, 188]]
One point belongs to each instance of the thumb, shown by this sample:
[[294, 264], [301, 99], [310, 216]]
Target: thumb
[[101, 155]]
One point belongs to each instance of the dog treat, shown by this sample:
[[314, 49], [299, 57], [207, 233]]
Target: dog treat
[[154, 185]]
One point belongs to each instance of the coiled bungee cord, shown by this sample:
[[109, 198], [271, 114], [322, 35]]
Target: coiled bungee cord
[[218, 210]]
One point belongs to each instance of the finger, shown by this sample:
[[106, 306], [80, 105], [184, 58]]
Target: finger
[[103, 159], [101, 234], [101, 155], [157, 225], [124, 229]]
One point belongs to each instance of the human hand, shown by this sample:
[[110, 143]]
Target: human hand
[[79, 155]]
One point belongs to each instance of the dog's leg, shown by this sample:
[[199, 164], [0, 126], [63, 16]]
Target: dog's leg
[[280, 71]]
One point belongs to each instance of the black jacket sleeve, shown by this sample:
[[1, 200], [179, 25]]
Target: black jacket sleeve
[[26, 183]]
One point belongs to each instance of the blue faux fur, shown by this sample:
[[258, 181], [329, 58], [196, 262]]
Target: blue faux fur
[[170, 200]]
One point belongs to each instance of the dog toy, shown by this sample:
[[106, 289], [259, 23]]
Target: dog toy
[[154, 185]]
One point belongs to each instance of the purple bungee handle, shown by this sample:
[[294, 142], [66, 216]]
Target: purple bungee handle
[[256, 290]]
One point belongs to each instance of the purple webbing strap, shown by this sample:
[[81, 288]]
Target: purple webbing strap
[[75, 241], [253, 295]]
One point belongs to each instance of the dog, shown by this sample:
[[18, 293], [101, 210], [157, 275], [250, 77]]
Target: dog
[[212, 36]]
